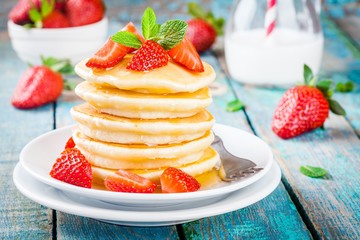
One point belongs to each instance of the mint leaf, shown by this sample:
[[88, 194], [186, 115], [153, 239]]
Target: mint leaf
[[234, 106], [171, 33], [345, 87], [313, 172], [308, 75], [336, 108], [148, 24], [127, 39]]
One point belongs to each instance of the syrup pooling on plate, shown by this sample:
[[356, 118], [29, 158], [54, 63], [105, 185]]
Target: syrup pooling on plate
[[146, 114]]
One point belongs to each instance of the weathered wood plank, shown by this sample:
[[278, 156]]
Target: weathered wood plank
[[320, 200], [20, 218]]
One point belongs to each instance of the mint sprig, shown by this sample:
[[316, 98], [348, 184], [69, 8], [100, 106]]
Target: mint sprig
[[234, 106], [313, 172], [168, 34], [148, 24], [127, 39]]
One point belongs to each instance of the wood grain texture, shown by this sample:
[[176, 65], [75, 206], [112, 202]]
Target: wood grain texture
[[331, 205], [20, 218]]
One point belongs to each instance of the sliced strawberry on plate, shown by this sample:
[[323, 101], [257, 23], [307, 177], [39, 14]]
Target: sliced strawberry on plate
[[150, 56], [72, 167], [174, 180], [112, 53], [70, 143], [186, 54], [125, 181]]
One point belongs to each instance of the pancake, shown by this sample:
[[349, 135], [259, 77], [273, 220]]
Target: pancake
[[147, 106], [206, 163], [136, 152], [117, 163], [171, 78], [109, 128]]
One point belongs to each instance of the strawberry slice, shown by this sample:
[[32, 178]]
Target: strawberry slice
[[72, 167], [70, 143], [124, 181], [186, 54], [112, 53], [151, 55], [174, 180]]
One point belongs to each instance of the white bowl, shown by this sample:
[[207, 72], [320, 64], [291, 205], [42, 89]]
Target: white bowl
[[74, 43]]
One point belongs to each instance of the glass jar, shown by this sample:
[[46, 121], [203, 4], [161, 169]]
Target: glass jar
[[255, 56]]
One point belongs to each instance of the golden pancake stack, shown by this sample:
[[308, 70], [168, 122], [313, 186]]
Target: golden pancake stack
[[145, 122]]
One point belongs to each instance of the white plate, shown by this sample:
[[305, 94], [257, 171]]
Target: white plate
[[133, 216], [38, 156]]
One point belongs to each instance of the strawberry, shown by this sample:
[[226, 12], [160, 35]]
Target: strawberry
[[125, 181], [201, 34], [37, 86], [203, 29], [186, 54], [304, 108], [151, 55], [174, 180], [72, 167], [112, 53], [83, 12], [55, 20], [70, 143], [19, 14]]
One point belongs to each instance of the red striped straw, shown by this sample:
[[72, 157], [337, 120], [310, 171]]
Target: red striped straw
[[270, 17]]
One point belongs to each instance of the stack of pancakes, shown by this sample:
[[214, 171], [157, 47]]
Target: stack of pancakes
[[145, 122]]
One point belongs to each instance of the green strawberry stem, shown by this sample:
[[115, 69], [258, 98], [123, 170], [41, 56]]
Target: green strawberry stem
[[168, 34], [47, 7], [197, 11], [326, 87]]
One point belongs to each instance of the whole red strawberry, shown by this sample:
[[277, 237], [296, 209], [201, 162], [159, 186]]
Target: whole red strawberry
[[48, 16], [37, 86], [151, 55], [19, 14], [72, 167], [304, 108], [174, 180], [83, 12], [201, 34], [204, 28]]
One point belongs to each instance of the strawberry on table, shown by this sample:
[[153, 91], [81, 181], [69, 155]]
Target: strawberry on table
[[83, 12], [125, 181], [112, 52], [174, 180], [204, 28], [40, 85], [72, 167], [304, 108]]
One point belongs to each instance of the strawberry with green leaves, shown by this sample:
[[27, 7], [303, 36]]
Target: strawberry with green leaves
[[40, 85], [203, 28], [159, 41], [305, 107], [19, 14], [48, 16]]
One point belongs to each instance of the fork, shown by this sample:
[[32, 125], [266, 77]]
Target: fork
[[233, 168]]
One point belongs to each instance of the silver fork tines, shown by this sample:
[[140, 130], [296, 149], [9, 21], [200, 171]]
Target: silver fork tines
[[232, 167]]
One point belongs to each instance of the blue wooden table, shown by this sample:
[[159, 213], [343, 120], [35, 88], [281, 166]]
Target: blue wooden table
[[300, 207]]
